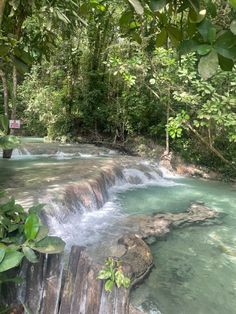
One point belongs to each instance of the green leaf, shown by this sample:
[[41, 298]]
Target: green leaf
[[109, 285], [9, 141], [203, 29], [104, 274], [229, 53], [31, 226], [174, 34], [119, 278], [212, 34], [137, 6], [226, 40], [11, 260], [29, 254], [42, 233], [233, 3], [233, 27], [203, 49], [4, 122], [161, 38], [208, 65], [126, 18], [126, 282], [49, 245], [187, 46], [225, 64], [157, 5], [2, 254]]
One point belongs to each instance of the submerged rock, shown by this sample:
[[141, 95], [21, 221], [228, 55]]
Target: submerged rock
[[160, 224]]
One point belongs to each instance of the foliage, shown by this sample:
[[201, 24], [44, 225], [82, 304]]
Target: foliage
[[22, 234], [113, 275], [7, 141]]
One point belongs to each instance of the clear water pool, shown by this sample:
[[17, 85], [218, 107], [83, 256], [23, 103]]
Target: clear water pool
[[195, 267]]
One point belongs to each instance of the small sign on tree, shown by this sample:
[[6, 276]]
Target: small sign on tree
[[14, 124]]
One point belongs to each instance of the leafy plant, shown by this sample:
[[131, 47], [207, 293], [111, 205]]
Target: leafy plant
[[22, 234], [7, 141], [113, 275]]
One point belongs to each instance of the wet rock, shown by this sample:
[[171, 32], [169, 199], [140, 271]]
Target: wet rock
[[160, 224]]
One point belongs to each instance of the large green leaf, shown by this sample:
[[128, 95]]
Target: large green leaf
[[42, 233], [226, 40], [11, 260], [225, 63], [229, 53], [161, 38], [2, 254], [137, 6], [31, 226], [208, 65], [203, 29], [211, 34], [174, 34], [203, 49], [50, 245], [29, 254]]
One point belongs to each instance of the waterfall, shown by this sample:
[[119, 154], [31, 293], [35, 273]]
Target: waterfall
[[86, 212], [19, 153]]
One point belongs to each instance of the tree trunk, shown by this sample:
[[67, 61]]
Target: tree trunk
[[6, 153], [5, 92], [2, 7], [14, 93]]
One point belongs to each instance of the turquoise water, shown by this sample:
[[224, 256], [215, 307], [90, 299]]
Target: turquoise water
[[195, 267]]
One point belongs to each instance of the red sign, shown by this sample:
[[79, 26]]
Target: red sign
[[14, 124]]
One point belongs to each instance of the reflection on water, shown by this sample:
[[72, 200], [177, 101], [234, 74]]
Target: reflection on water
[[195, 267]]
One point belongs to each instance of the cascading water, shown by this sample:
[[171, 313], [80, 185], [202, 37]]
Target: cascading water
[[95, 214], [90, 194]]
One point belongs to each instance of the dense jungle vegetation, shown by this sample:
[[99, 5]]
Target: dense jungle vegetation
[[100, 69]]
